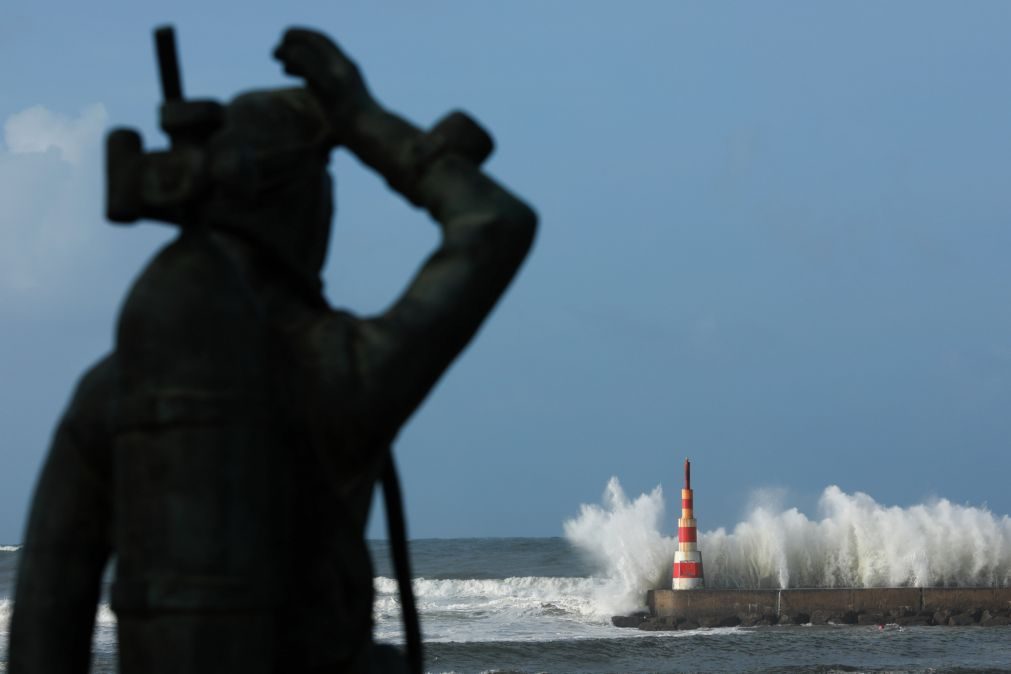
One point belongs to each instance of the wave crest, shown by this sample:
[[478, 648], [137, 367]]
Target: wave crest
[[856, 543]]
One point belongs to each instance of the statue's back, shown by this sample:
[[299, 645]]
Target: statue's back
[[199, 470]]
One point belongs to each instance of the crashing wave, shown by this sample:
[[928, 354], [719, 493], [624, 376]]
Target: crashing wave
[[856, 543]]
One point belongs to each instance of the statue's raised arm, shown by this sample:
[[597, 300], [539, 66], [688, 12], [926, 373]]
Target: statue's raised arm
[[486, 230]]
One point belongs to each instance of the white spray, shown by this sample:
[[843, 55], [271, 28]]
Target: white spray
[[857, 543]]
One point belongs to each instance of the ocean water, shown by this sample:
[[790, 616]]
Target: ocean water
[[544, 604]]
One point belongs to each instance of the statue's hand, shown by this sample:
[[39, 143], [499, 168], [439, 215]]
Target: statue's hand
[[327, 71]]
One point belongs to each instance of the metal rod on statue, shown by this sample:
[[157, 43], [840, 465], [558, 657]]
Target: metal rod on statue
[[168, 63]]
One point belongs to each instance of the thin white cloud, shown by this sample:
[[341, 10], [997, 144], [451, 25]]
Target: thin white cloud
[[50, 188], [38, 129]]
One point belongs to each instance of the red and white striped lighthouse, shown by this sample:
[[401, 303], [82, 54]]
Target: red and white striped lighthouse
[[688, 559]]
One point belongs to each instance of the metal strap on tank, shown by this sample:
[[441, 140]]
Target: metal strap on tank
[[397, 528]]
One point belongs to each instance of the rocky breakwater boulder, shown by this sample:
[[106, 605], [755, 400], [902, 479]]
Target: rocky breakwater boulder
[[670, 623], [994, 619], [632, 620], [947, 618], [973, 616]]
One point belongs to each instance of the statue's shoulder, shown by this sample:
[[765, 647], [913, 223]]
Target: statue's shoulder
[[98, 379], [191, 279], [191, 303], [190, 271], [89, 415]]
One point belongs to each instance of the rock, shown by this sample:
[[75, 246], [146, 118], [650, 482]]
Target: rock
[[819, 617], [687, 625], [665, 623], [912, 620], [786, 619], [848, 618], [753, 620], [962, 619], [941, 617], [996, 621], [725, 621], [633, 620], [871, 619]]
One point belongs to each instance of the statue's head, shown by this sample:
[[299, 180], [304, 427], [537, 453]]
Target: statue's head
[[256, 168], [275, 187]]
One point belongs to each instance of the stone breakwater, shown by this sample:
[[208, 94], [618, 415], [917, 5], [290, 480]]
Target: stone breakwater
[[691, 609]]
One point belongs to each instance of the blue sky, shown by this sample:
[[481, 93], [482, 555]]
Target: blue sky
[[774, 237]]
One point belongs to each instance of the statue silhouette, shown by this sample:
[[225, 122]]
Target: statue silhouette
[[226, 451]]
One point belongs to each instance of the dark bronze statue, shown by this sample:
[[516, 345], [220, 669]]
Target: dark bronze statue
[[225, 453]]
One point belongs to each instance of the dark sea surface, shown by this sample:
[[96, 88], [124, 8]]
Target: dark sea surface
[[537, 605]]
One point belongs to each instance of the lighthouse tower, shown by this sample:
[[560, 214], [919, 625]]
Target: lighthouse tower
[[688, 559]]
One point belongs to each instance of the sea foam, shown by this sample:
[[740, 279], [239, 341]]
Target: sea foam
[[522, 608], [6, 607], [104, 617], [857, 542]]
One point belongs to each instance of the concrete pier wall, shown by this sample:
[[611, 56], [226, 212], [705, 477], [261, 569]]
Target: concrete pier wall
[[965, 598], [711, 603], [685, 609], [856, 600]]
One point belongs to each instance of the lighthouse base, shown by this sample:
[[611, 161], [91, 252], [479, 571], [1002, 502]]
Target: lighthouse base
[[687, 573], [688, 584]]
